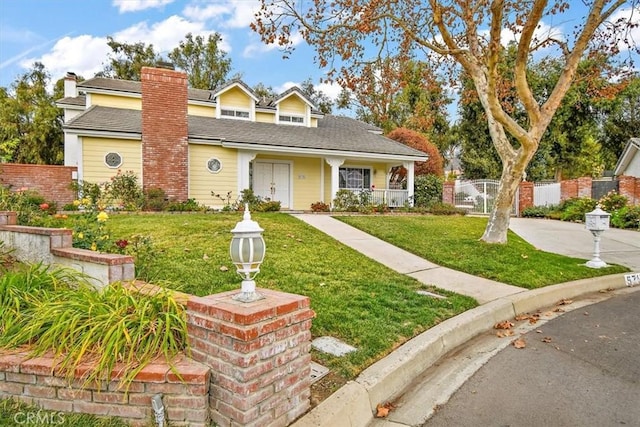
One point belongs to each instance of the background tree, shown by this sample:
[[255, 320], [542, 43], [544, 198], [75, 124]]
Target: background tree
[[347, 35], [319, 98], [433, 166], [126, 60], [30, 122], [620, 119], [205, 64]]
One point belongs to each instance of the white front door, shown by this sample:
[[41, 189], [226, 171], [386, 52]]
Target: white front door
[[272, 181]]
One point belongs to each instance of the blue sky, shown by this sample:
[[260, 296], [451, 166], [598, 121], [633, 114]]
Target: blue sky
[[70, 35]]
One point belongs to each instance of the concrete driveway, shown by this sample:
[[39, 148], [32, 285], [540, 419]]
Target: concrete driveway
[[573, 239]]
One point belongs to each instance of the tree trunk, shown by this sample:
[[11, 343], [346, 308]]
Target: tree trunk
[[498, 225]]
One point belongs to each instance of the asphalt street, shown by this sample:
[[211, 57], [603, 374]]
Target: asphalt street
[[579, 369]]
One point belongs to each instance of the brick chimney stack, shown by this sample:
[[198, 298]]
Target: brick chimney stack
[[165, 131]]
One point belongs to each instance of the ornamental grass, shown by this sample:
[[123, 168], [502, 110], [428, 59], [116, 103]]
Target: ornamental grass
[[57, 311]]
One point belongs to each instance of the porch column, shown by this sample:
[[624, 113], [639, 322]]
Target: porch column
[[244, 159], [335, 163], [409, 166]]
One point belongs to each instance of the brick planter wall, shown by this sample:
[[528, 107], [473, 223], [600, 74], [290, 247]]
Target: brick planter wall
[[525, 196], [35, 381], [448, 192], [52, 182]]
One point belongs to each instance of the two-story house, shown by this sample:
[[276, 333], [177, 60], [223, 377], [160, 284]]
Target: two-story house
[[193, 142]]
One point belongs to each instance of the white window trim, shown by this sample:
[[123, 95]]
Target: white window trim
[[356, 167], [206, 165], [235, 110], [104, 159]]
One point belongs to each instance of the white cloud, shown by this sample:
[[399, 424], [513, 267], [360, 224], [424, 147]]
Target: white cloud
[[226, 13], [82, 55], [285, 86], [137, 5], [258, 47], [166, 35], [633, 34], [332, 90]]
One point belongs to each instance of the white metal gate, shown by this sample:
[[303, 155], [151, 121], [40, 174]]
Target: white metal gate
[[478, 195]]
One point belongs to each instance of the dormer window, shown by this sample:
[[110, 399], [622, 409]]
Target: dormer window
[[292, 119], [233, 113]]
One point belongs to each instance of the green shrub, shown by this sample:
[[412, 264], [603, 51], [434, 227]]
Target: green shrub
[[612, 201], [440, 208], [626, 217], [155, 199], [346, 201], [427, 190], [537, 211], [573, 209], [189, 205]]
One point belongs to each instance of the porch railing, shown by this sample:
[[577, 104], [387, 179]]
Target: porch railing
[[391, 198]]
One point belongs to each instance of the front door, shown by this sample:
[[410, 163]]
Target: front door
[[271, 181]]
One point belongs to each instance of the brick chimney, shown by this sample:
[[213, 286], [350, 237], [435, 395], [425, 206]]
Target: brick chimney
[[165, 131]]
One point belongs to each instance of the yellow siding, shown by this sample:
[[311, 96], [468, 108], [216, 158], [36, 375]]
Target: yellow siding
[[116, 101], [314, 123], [202, 182], [235, 97], [93, 151], [293, 104], [306, 182], [265, 117], [201, 110]]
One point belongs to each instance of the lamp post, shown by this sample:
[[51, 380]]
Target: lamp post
[[247, 253], [596, 221]]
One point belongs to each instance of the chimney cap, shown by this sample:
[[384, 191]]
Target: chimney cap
[[165, 64], [71, 74]]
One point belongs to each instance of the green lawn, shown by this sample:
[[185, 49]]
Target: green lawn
[[453, 241], [356, 299]]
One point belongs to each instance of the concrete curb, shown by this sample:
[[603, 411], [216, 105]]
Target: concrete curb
[[355, 403]]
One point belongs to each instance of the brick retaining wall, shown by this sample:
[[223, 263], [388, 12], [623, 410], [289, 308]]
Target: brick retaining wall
[[51, 181]]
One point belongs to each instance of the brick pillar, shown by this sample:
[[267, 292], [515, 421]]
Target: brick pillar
[[584, 186], [568, 189], [8, 218], [525, 196], [629, 187], [259, 355], [165, 132], [449, 192]]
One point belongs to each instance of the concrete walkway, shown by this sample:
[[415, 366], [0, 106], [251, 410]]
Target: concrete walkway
[[483, 290]]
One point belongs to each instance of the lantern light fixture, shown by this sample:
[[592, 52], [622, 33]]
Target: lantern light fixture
[[247, 251]]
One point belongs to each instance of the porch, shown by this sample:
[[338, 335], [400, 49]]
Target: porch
[[383, 196]]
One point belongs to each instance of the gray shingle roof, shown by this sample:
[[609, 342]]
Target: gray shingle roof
[[130, 86], [80, 100], [333, 132]]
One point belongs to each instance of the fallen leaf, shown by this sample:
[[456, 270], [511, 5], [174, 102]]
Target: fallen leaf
[[538, 331], [224, 268], [565, 301], [546, 339], [519, 343], [505, 333], [558, 310], [548, 313], [524, 256], [522, 317], [205, 257], [586, 313], [533, 320], [382, 410], [503, 325]]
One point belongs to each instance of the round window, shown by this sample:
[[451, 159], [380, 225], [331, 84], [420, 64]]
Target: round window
[[214, 165], [113, 160]]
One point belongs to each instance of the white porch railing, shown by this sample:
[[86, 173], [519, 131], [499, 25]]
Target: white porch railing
[[389, 197]]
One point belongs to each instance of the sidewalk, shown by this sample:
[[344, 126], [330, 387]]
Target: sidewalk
[[354, 404]]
